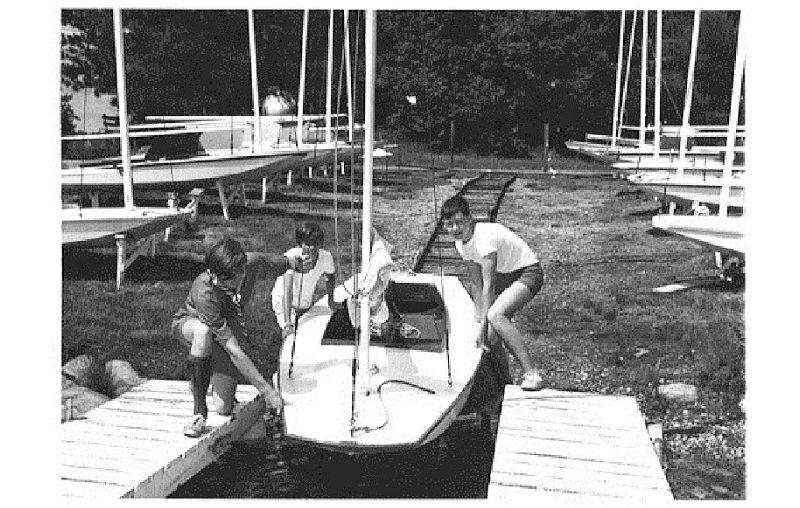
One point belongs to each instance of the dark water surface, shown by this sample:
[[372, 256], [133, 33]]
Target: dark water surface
[[456, 465]]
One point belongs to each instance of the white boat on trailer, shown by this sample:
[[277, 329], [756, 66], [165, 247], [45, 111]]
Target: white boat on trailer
[[349, 390], [104, 226]]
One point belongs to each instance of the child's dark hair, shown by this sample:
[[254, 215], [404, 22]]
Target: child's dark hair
[[454, 205], [309, 233], [226, 259]]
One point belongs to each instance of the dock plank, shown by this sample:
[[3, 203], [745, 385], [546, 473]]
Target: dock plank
[[574, 446], [133, 446]]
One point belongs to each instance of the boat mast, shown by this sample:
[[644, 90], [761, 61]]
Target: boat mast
[[302, 91], [348, 76], [124, 143], [657, 98], [254, 83], [643, 84], [687, 101], [330, 81], [627, 75], [366, 223], [733, 120], [619, 77]]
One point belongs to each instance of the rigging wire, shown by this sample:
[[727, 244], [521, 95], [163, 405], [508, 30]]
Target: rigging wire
[[383, 403]]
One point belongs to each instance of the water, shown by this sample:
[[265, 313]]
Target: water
[[456, 465]]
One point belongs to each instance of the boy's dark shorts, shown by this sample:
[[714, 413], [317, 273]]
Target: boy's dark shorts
[[220, 361], [531, 275]]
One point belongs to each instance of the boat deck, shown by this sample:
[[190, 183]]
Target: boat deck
[[567, 446], [133, 445]]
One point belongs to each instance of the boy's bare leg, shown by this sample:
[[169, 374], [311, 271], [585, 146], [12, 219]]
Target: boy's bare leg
[[246, 367], [507, 303]]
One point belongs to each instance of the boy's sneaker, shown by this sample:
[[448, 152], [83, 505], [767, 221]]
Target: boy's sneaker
[[531, 382], [195, 429]]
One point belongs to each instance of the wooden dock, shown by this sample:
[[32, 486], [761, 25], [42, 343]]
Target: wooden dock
[[133, 445], [565, 446]]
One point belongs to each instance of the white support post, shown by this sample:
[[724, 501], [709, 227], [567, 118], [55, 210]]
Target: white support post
[[342, 166], [223, 200], [243, 190], [310, 172], [289, 178], [172, 204], [121, 245]]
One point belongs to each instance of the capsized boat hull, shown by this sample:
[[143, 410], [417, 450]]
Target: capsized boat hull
[[399, 412], [97, 227]]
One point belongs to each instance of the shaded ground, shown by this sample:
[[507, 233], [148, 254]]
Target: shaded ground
[[596, 325]]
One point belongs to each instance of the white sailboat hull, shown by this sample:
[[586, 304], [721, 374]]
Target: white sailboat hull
[[724, 234], [318, 395], [97, 227], [690, 188], [185, 173]]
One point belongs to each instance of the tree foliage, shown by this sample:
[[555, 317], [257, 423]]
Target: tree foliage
[[498, 76]]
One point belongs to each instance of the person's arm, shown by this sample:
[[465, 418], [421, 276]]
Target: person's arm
[[488, 267], [278, 263], [247, 368], [288, 295]]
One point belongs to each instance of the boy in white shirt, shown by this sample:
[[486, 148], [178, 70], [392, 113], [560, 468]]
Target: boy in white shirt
[[294, 291], [505, 272]]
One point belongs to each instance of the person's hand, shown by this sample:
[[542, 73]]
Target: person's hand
[[273, 401], [288, 329]]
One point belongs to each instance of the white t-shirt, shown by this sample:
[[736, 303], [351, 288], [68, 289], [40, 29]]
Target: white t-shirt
[[512, 251], [303, 297]]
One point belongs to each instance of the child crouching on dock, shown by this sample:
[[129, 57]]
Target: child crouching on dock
[[505, 272], [210, 323]]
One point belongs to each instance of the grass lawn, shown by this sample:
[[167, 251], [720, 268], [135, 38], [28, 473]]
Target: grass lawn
[[595, 326]]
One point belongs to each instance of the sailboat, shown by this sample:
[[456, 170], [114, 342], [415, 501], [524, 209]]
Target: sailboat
[[698, 187], [187, 152], [351, 386], [630, 155], [722, 232], [117, 226]]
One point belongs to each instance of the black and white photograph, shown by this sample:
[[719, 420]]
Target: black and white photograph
[[406, 252]]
